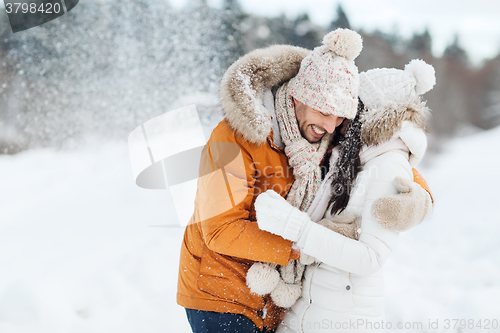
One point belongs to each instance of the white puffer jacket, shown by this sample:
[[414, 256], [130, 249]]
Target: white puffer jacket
[[346, 290]]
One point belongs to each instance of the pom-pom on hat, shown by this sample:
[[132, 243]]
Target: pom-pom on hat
[[328, 78], [383, 88]]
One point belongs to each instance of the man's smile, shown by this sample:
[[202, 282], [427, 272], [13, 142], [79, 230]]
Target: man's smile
[[317, 132]]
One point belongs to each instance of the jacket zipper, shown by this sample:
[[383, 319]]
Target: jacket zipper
[[310, 299]]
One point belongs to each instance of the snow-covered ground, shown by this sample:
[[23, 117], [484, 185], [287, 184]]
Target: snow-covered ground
[[81, 250]]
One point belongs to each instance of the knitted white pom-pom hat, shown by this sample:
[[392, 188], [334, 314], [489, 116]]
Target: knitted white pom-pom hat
[[328, 78], [382, 88]]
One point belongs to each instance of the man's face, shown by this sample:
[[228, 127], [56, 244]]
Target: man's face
[[313, 124]]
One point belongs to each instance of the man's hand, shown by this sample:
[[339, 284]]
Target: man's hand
[[405, 210], [276, 215]]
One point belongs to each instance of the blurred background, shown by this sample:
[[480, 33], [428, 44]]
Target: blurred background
[[110, 65], [82, 249]]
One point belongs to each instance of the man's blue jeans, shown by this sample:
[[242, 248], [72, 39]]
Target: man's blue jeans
[[215, 322]]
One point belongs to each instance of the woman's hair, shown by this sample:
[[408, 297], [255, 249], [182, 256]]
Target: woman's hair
[[348, 163]]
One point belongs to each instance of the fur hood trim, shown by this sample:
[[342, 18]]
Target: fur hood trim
[[244, 83], [380, 125], [410, 138]]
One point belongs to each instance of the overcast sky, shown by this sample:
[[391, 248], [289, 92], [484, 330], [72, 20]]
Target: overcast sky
[[476, 21]]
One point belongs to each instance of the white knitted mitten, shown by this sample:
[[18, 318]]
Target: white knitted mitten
[[276, 215]]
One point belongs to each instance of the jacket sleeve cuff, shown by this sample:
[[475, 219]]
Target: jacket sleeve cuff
[[295, 225], [301, 242], [295, 253]]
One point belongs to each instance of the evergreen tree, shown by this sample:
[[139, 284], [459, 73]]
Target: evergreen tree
[[232, 19], [281, 30], [421, 43], [342, 21], [103, 66], [304, 33], [489, 94], [456, 52], [233, 6]]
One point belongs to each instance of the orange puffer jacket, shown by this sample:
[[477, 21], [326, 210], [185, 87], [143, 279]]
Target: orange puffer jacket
[[223, 239], [239, 162]]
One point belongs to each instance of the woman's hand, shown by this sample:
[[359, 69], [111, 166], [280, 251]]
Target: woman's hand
[[405, 210], [276, 215], [348, 225]]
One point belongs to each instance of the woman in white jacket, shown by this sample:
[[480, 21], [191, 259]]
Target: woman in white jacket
[[343, 290]]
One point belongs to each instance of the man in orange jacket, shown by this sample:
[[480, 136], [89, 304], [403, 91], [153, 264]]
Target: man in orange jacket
[[281, 104]]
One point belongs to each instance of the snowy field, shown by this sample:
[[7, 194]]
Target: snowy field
[[80, 250]]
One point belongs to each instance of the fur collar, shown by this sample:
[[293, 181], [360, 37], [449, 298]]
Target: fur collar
[[244, 83], [379, 126], [410, 139]]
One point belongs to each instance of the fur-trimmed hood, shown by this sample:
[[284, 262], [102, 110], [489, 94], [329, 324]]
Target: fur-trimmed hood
[[380, 125], [409, 138], [244, 83], [409, 123]]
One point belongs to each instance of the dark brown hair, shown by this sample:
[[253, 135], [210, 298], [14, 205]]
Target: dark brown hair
[[348, 164]]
